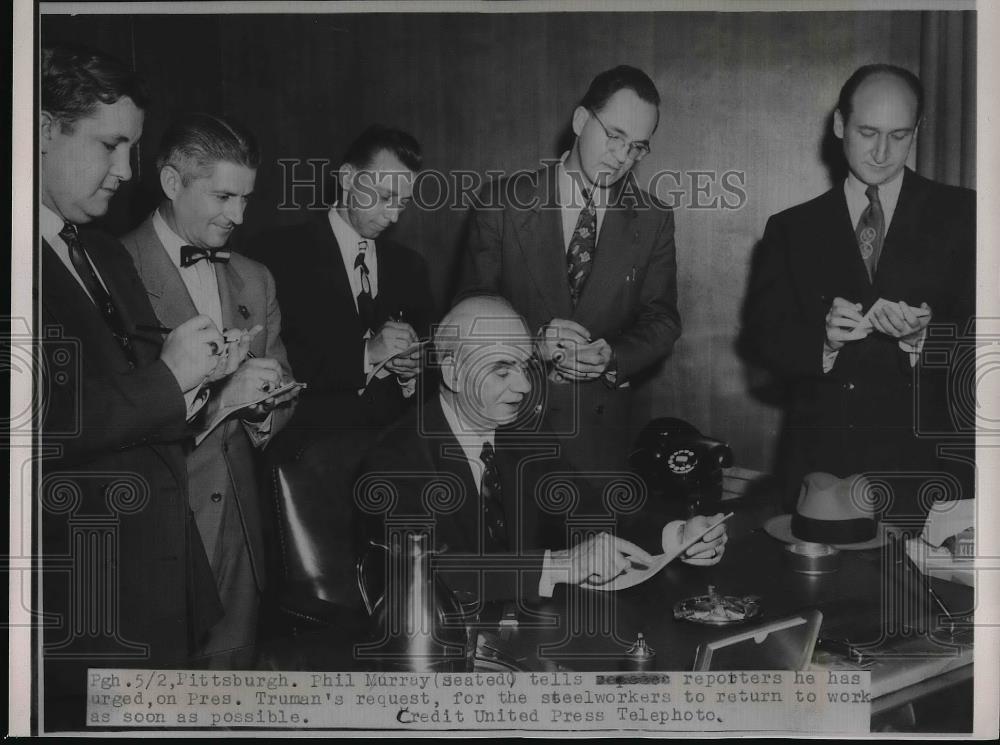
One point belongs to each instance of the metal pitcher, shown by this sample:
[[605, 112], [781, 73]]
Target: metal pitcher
[[416, 620]]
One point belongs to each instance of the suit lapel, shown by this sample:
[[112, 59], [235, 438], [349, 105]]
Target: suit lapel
[[899, 239], [848, 265], [391, 287], [67, 302], [613, 261], [540, 237], [330, 265], [449, 457], [167, 292], [231, 286]]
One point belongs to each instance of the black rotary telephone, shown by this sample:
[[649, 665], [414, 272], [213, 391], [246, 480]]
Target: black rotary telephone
[[680, 463]]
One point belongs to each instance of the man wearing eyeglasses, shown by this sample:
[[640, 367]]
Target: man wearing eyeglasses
[[588, 258]]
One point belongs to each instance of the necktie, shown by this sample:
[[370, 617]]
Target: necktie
[[366, 303], [191, 255], [871, 231], [491, 499], [78, 256], [580, 257]]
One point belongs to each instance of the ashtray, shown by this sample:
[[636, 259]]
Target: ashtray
[[813, 558], [717, 610]]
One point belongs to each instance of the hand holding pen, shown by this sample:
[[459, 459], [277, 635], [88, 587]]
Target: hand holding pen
[[234, 347]]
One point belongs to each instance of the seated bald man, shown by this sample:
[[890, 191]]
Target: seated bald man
[[491, 496]]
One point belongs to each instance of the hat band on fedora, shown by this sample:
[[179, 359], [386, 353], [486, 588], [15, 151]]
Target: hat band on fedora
[[833, 531]]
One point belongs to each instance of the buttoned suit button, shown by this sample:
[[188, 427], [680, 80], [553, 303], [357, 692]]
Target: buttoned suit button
[[848, 386], [599, 409], [216, 496]]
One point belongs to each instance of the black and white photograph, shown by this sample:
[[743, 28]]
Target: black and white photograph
[[514, 368]]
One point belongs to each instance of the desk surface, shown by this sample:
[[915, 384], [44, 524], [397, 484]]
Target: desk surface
[[588, 630]]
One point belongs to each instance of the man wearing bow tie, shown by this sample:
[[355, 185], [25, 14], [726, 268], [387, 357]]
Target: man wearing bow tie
[[846, 291], [207, 167]]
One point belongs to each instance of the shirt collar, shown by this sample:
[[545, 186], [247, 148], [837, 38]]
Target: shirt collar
[[347, 237], [471, 442], [888, 193], [49, 223], [570, 191]]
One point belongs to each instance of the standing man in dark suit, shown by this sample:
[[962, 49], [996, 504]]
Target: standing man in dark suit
[[207, 166], [351, 299], [845, 289], [455, 466], [587, 257], [123, 572]]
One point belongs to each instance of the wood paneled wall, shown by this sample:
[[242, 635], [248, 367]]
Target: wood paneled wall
[[744, 92]]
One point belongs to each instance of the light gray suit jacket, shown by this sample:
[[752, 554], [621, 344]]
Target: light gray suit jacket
[[221, 470]]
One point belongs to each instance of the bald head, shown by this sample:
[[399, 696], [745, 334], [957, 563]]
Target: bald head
[[484, 347], [878, 124], [480, 316]]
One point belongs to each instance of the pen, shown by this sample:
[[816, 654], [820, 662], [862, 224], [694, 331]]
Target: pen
[[153, 329]]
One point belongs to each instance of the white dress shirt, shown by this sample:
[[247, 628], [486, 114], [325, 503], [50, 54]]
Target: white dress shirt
[[349, 239], [472, 442], [857, 200], [199, 278], [202, 284]]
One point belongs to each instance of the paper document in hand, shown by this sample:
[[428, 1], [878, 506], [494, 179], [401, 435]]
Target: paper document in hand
[[881, 303], [632, 576], [405, 353], [225, 411]]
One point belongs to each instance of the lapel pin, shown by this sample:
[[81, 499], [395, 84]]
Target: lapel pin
[[244, 311]]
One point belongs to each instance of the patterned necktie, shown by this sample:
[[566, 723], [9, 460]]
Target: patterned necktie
[[580, 257], [191, 255], [366, 303], [491, 499], [78, 257], [871, 231]]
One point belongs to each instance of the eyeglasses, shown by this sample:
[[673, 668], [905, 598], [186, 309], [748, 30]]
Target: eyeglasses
[[616, 143]]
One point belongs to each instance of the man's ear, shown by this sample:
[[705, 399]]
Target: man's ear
[[346, 176], [171, 181], [449, 373], [838, 124], [48, 127], [580, 117]]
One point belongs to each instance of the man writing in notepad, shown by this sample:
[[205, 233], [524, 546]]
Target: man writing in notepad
[[207, 166], [843, 295]]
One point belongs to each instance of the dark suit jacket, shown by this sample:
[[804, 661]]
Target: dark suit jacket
[[516, 249], [111, 442], [422, 465], [860, 416], [322, 329], [223, 464]]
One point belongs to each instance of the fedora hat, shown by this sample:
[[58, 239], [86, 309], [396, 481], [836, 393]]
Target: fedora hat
[[838, 512]]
